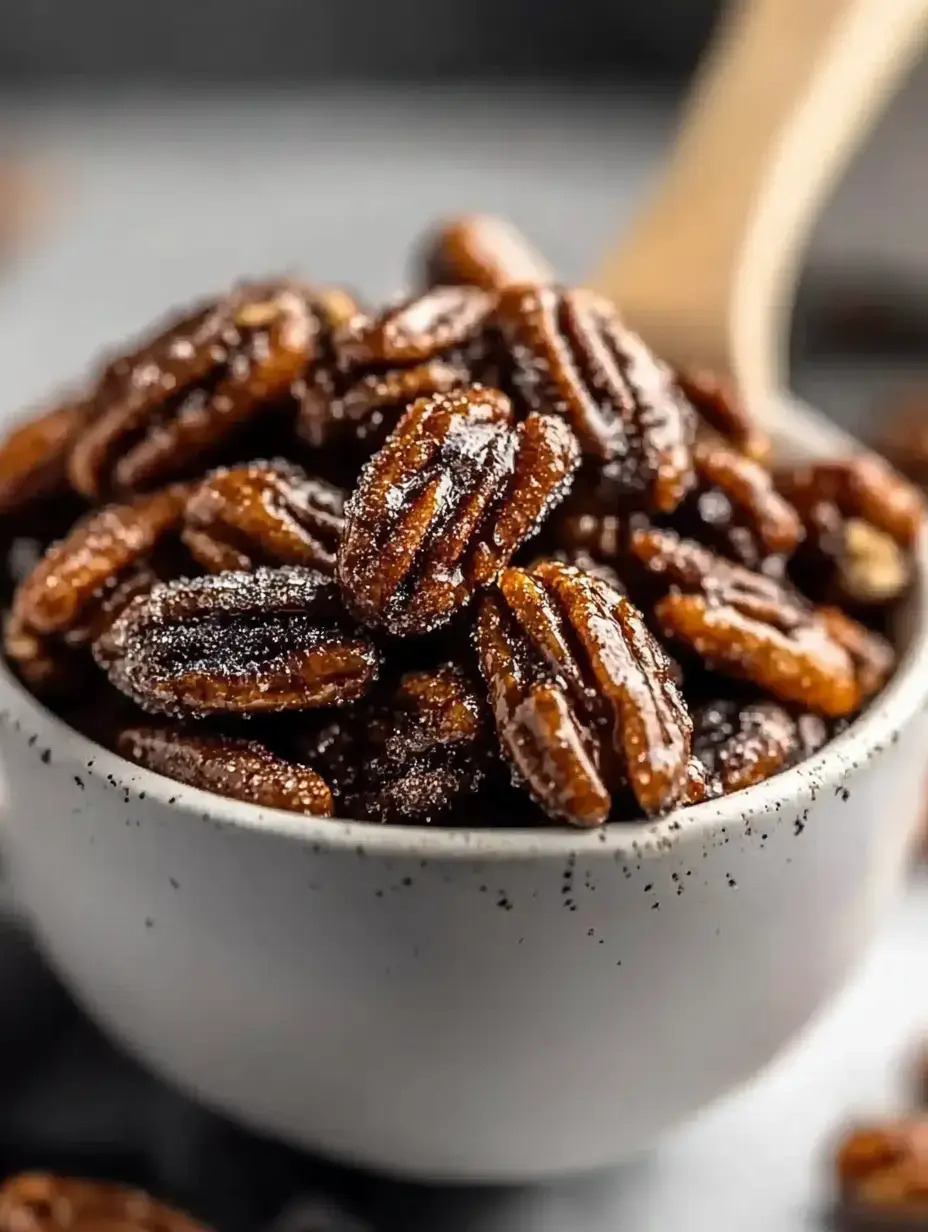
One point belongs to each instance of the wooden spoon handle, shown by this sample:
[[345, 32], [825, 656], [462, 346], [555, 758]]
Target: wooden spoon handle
[[787, 91]]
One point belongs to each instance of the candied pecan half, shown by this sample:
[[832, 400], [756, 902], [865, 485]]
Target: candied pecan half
[[39, 1202], [882, 1173], [719, 408], [742, 743], [872, 655], [481, 250], [582, 695], [454, 492], [864, 487], [415, 348], [103, 552], [570, 354], [34, 455], [179, 399], [241, 643], [411, 757], [241, 769], [264, 513], [748, 625]]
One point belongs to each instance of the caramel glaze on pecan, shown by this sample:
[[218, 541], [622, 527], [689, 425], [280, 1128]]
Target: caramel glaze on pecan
[[415, 348], [882, 1174], [178, 399], [409, 757], [39, 1202], [481, 250], [264, 513], [239, 643], [720, 410], [742, 743], [582, 694], [752, 627], [34, 455], [569, 353], [241, 769], [456, 489]]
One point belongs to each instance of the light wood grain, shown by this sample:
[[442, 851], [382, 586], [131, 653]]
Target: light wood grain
[[787, 92]]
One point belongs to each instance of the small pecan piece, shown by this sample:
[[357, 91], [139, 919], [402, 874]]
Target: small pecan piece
[[179, 398], [103, 551], [582, 694], [264, 513], [241, 769], [719, 408], [747, 625], [39, 1202], [570, 354], [34, 455], [742, 743], [241, 643], [882, 1173], [411, 757], [456, 489], [415, 348], [481, 250]]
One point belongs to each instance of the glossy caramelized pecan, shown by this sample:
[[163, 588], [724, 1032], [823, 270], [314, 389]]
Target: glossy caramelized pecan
[[481, 250], [241, 769], [569, 353], [239, 643], [408, 758], [39, 1202], [179, 398], [582, 694], [34, 455], [456, 489], [103, 551], [749, 626], [860, 520], [264, 513], [882, 1174], [742, 743], [415, 348], [719, 409], [736, 509]]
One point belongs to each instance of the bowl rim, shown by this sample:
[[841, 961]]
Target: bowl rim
[[791, 791]]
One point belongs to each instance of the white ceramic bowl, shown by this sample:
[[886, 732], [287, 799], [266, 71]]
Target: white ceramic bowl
[[460, 1003]]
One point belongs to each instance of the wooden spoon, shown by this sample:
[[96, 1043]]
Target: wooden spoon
[[787, 92]]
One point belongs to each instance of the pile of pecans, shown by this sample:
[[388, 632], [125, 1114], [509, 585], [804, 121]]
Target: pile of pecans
[[479, 554]]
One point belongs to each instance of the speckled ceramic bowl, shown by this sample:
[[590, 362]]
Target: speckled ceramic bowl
[[462, 1003]]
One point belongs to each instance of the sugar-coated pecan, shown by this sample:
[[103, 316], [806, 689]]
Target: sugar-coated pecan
[[456, 489], [49, 667], [410, 757], [40, 1202], [719, 408], [177, 400], [582, 694], [481, 250], [414, 348], [882, 1174], [748, 625], [742, 743], [106, 549], [864, 487], [242, 769], [34, 455], [264, 513], [240, 643], [570, 354], [872, 655]]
